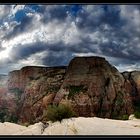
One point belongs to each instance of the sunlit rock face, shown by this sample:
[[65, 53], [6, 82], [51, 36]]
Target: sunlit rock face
[[21, 78], [39, 93], [35, 88]]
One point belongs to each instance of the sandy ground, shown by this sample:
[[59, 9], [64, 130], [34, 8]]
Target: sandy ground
[[75, 126]]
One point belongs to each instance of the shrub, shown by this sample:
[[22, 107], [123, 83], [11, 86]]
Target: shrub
[[7, 116], [137, 110], [25, 124], [125, 117], [137, 114], [16, 91], [13, 119], [57, 113], [3, 114], [53, 89], [75, 90], [119, 99]]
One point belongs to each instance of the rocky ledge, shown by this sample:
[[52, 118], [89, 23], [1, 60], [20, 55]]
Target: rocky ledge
[[75, 126]]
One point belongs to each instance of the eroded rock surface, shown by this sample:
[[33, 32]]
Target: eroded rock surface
[[133, 84], [90, 85], [93, 87], [39, 89]]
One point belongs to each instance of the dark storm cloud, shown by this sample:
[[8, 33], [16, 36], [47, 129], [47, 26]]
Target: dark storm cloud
[[91, 20], [57, 53], [50, 13], [112, 17], [119, 35], [25, 51], [114, 50], [111, 31], [21, 52], [20, 28], [55, 59]]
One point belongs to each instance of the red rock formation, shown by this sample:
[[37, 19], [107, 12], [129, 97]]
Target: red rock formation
[[135, 80], [133, 84], [21, 78], [7, 101], [95, 88], [41, 86], [90, 85]]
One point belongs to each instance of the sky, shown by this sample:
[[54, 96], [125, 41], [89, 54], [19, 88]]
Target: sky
[[51, 35]]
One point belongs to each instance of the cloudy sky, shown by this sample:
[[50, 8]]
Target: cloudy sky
[[51, 35]]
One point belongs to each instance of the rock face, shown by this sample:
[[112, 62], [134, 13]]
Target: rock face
[[40, 93], [133, 84], [94, 88], [90, 85], [7, 103], [7, 128], [3, 84], [25, 93], [21, 78], [36, 87], [3, 80]]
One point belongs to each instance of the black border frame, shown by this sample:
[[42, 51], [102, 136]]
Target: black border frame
[[70, 2]]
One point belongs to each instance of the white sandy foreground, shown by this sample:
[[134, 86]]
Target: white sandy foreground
[[75, 126]]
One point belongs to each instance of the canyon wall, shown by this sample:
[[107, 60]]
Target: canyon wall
[[90, 85]]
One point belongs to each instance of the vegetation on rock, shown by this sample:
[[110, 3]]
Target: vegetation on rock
[[5, 116], [57, 113], [137, 110], [125, 117], [137, 114], [75, 90]]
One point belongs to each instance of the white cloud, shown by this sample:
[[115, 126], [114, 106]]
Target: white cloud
[[128, 67], [132, 15], [55, 29], [16, 8], [72, 34], [33, 60], [85, 54], [4, 11]]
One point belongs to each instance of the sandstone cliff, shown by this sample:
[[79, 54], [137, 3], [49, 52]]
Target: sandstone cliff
[[7, 101], [133, 85], [39, 93], [90, 85], [95, 88], [35, 88]]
